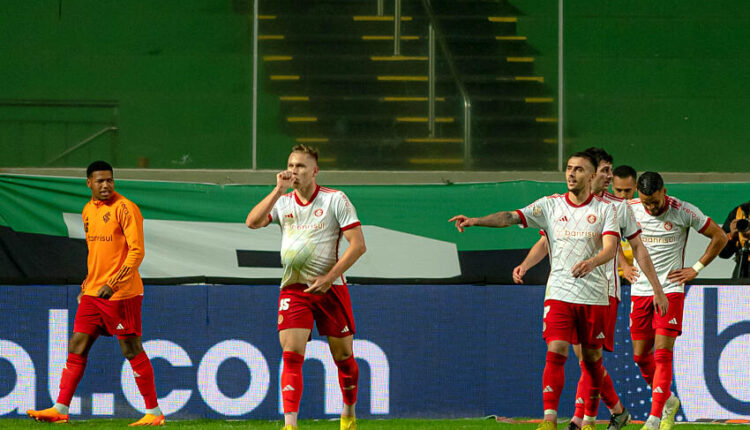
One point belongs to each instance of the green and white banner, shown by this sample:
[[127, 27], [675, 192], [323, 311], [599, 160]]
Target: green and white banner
[[197, 230]]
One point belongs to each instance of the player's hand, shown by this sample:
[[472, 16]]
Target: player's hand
[[78, 299], [518, 273], [318, 285], [629, 272], [462, 222], [284, 180], [661, 303], [105, 292], [681, 276], [582, 268]]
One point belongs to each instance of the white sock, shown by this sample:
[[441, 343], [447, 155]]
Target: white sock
[[61, 408], [653, 422], [155, 411]]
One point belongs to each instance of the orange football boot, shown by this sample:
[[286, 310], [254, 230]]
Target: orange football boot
[[49, 415], [149, 420]]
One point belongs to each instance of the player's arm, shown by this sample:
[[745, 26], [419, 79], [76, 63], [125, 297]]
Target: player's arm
[[259, 215], [628, 272], [321, 284], [641, 255], [131, 224], [610, 242], [498, 219], [718, 241], [535, 255]]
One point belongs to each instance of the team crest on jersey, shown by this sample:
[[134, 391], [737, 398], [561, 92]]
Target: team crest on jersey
[[318, 212], [668, 226], [591, 218], [106, 217], [536, 211]]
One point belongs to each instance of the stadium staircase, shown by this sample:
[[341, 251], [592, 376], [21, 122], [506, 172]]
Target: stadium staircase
[[341, 88]]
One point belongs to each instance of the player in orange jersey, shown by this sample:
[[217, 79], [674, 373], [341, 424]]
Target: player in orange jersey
[[110, 299]]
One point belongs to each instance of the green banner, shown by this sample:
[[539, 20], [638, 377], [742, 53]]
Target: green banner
[[35, 204]]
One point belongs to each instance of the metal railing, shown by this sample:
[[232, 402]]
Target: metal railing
[[436, 35]]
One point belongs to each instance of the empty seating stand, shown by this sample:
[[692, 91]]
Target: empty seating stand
[[331, 64]]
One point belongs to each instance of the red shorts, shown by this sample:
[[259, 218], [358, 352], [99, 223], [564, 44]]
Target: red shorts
[[97, 316], [331, 312], [645, 323], [575, 323], [609, 341]]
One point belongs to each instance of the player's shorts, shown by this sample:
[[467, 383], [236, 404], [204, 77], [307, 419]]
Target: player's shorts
[[609, 341], [97, 316], [575, 323], [330, 312], [645, 323]]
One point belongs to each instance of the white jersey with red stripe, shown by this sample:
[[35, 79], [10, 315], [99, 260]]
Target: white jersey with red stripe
[[574, 233], [628, 230], [311, 233], [665, 237]]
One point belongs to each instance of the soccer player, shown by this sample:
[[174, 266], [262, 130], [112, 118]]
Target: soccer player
[[629, 229], [583, 233], [109, 303], [623, 182], [666, 222], [623, 187], [313, 288]]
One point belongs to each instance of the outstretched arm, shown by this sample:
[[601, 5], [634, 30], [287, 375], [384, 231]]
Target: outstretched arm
[[498, 219], [535, 255], [258, 217]]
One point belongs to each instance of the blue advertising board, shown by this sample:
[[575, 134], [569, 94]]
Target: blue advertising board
[[423, 350]]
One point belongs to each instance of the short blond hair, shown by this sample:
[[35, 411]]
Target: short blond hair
[[309, 150]]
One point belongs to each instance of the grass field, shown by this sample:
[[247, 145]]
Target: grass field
[[394, 424]]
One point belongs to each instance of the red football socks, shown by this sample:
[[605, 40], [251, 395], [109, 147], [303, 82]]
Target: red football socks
[[661, 388], [144, 378], [647, 365], [592, 375], [553, 380], [348, 379], [291, 381], [71, 376], [609, 395]]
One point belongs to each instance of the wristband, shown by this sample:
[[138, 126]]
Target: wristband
[[698, 267]]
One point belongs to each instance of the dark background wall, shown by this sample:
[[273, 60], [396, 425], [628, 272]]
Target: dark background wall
[[657, 83]]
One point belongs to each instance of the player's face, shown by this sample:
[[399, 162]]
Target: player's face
[[578, 174], [655, 203], [102, 184], [303, 168], [623, 188], [602, 178]]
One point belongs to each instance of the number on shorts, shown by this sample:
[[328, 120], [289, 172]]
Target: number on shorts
[[284, 304]]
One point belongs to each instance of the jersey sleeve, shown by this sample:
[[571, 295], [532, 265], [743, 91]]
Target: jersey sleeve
[[610, 224], [628, 224], [273, 217], [535, 214], [344, 212], [694, 217], [131, 223]]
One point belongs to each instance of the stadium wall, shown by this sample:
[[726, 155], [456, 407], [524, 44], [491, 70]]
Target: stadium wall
[[640, 81], [467, 350]]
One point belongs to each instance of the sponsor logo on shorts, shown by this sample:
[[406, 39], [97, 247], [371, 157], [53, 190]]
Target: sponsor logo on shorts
[[673, 321], [658, 390], [345, 329], [119, 327], [591, 218], [579, 401], [548, 389], [600, 335]]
